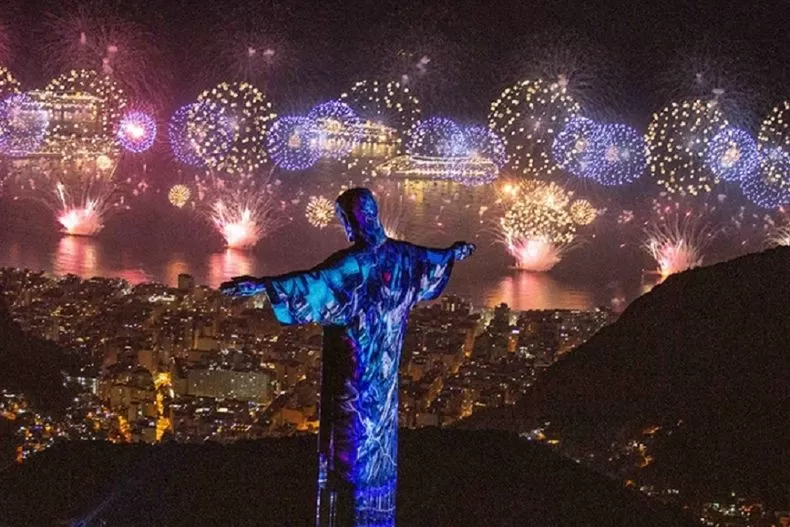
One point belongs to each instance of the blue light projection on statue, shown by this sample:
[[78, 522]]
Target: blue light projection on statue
[[362, 296]]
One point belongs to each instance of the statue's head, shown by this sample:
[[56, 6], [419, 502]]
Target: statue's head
[[359, 214]]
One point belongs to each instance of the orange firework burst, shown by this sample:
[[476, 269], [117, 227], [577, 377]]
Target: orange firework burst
[[320, 211], [244, 215], [179, 195], [582, 212], [537, 227]]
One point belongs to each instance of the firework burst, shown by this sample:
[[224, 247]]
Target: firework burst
[[81, 194], [73, 172], [775, 128], [292, 143], [712, 70], [676, 242], [582, 212], [589, 71], [390, 104], [251, 48], [248, 113], [622, 156], [732, 155], [5, 43], [779, 236], [194, 129], [136, 131], [110, 99], [81, 216], [8, 84], [23, 125], [485, 143], [769, 188], [94, 38], [537, 227], [243, 216], [252, 42], [774, 147], [437, 137], [575, 147], [528, 116], [177, 135], [537, 236], [319, 211], [548, 194], [678, 137], [179, 195], [420, 56]]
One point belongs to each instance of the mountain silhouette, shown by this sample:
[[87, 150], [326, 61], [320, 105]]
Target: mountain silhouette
[[447, 477], [33, 366], [697, 370]]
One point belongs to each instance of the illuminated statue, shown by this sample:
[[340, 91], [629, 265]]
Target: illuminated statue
[[362, 296]]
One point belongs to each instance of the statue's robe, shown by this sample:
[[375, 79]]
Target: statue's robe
[[362, 297]]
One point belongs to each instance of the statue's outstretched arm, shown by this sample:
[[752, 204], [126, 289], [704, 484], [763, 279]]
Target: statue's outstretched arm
[[433, 267], [462, 250], [243, 286], [456, 252], [319, 295]]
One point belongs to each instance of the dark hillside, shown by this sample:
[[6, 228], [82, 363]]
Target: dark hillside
[[705, 356], [447, 478]]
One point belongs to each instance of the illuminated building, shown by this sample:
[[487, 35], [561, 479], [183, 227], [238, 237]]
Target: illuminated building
[[89, 383], [230, 384], [131, 395], [545, 335], [186, 282], [75, 125], [465, 170], [372, 140], [454, 303]]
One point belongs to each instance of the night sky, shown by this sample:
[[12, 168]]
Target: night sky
[[630, 56]]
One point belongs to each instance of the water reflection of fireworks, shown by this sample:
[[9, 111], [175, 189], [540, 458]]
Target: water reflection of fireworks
[[407, 213], [392, 211], [231, 262]]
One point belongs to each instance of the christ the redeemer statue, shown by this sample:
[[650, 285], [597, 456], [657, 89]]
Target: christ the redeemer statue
[[362, 296]]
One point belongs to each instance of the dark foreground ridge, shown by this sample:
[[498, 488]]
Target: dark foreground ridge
[[447, 478], [697, 369], [33, 366]]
